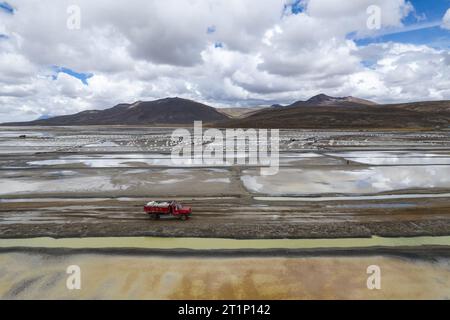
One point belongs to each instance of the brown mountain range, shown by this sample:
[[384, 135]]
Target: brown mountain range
[[169, 111], [349, 115], [319, 112]]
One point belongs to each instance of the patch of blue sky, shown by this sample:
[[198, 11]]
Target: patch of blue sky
[[83, 77], [6, 7], [422, 27], [431, 10], [293, 7], [435, 37], [211, 29], [369, 64]]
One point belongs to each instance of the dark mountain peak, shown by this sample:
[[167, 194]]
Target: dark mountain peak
[[173, 100], [164, 111], [326, 100], [320, 98], [168, 99]]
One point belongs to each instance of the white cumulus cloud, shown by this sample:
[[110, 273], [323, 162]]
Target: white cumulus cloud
[[220, 52], [446, 20]]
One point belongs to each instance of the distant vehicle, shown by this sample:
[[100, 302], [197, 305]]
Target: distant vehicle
[[156, 209]]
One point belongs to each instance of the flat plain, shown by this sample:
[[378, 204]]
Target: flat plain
[[80, 182]]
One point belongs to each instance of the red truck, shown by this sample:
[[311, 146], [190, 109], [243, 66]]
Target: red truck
[[156, 209]]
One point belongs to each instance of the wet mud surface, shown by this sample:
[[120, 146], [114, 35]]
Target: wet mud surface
[[93, 181]]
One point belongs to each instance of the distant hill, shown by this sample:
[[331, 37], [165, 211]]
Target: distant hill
[[322, 100], [169, 111], [319, 112], [323, 112]]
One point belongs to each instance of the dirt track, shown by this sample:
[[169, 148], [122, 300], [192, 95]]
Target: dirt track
[[231, 218]]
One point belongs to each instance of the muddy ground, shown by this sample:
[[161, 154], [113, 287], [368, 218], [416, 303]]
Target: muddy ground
[[94, 181], [232, 218]]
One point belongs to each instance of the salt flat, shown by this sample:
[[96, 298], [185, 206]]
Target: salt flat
[[333, 187], [330, 184]]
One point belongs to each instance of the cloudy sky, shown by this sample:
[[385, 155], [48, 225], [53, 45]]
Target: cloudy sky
[[220, 52]]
